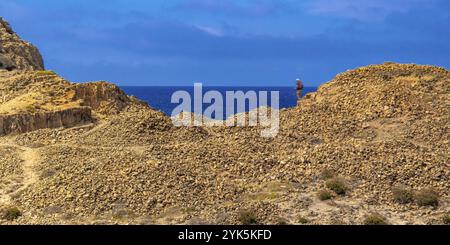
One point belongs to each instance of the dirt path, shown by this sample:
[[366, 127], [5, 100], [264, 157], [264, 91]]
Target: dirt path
[[30, 158], [99, 125]]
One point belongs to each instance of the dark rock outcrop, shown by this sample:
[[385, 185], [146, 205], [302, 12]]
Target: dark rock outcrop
[[21, 123], [103, 97]]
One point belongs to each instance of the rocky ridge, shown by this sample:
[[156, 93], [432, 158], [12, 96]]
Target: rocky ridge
[[16, 54], [34, 100]]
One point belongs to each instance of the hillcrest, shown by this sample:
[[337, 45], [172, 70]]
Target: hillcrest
[[235, 104]]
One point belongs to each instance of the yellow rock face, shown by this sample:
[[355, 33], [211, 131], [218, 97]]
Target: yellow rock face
[[16, 54]]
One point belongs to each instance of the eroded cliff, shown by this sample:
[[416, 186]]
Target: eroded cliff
[[32, 98], [21, 123]]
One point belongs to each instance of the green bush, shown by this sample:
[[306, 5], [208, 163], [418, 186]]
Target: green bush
[[427, 197], [327, 174], [302, 220], [45, 73], [247, 217], [11, 213], [446, 219], [338, 222], [31, 109], [325, 195], [402, 195], [375, 219], [281, 221], [337, 185]]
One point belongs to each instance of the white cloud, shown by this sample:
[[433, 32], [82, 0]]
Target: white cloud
[[211, 30]]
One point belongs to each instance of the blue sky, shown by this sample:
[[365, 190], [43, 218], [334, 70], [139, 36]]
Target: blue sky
[[229, 42]]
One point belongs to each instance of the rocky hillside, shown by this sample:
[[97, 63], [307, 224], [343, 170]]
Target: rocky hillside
[[32, 98], [16, 54], [371, 146]]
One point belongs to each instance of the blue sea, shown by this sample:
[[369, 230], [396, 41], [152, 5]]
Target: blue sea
[[160, 97]]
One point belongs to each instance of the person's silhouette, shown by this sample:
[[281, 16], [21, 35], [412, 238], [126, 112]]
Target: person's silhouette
[[299, 88]]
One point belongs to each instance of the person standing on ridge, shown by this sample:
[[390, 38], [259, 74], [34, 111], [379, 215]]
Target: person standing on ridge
[[299, 89]]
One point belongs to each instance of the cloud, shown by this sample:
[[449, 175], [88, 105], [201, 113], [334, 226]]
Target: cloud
[[250, 8], [211, 30], [365, 9], [251, 41], [177, 40]]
